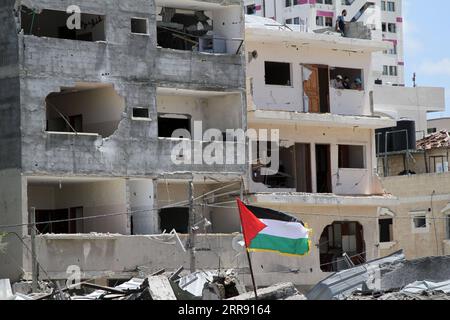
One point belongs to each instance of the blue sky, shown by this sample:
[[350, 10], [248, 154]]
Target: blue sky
[[427, 45]]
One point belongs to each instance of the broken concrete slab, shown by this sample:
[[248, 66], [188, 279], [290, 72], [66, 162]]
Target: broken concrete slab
[[342, 284], [160, 288], [280, 291]]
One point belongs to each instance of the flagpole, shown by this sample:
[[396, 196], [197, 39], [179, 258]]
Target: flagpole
[[248, 252], [251, 272]]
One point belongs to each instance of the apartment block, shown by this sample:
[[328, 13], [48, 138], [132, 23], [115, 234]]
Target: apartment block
[[327, 176], [87, 121]]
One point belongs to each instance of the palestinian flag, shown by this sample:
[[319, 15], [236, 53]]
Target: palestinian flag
[[272, 231]]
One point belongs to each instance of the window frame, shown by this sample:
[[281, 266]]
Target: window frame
[[147, 33], [419, 214]]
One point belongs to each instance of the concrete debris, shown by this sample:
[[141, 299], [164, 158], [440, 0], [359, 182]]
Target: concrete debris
[[283, 291], [427, 286], [390, 278], [160, 288], [342, 284]]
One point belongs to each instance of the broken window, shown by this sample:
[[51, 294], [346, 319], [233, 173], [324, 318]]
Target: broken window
[[184, 29], [351, 157], [386, 230], [63, 221], [174, 218], [352, 78], [337, 239], [294, 170], [85, 108], [53, 24], [139, 25], [278, 73], [168, 123]]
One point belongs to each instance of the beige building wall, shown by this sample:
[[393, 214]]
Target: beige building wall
[[272, 268], [427, 194]]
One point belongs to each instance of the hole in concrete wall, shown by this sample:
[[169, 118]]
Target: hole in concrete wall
[[141, 113], [85, 108], [53, 24], [351, 157], [184, 29], [339, 238], [353, 78], [277, 73], [139, 25], [386, 229], [168, 123], [174, 218]]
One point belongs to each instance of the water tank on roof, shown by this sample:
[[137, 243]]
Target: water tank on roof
[[399, 138]]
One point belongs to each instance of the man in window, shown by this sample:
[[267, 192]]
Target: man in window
[[340, 23]]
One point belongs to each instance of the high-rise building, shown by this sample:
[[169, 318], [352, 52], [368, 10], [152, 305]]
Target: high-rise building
[[384, 18]]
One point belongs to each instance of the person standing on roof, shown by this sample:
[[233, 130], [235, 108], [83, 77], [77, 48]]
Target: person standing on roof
[[340, 23]]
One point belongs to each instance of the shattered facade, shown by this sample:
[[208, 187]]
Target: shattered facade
[[87, 117]]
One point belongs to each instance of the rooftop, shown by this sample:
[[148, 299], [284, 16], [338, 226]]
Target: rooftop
[[268, 30]]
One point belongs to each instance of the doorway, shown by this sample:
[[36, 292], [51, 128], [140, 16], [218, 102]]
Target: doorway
[[323, 168], [317, 88], [303, 167]]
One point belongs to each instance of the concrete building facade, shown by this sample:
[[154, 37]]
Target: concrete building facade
[[327, 175], [87, 116]]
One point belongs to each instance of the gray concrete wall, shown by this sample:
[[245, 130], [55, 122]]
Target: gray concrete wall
[[135, 66], [9, 89], [12, 194]]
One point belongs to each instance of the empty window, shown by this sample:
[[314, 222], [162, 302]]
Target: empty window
[[168, 123], [385, 70], [352, 78], [174, 218], [251, 9], [53, 24], [419, 222], [351, 157], [139, 25], [142, 113], [386, 230], [288, 21], [278, 73]]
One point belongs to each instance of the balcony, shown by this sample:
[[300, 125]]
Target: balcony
[[202, 70]]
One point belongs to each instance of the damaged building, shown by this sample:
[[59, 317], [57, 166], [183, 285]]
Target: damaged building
[[87, 122], [327, 157]]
